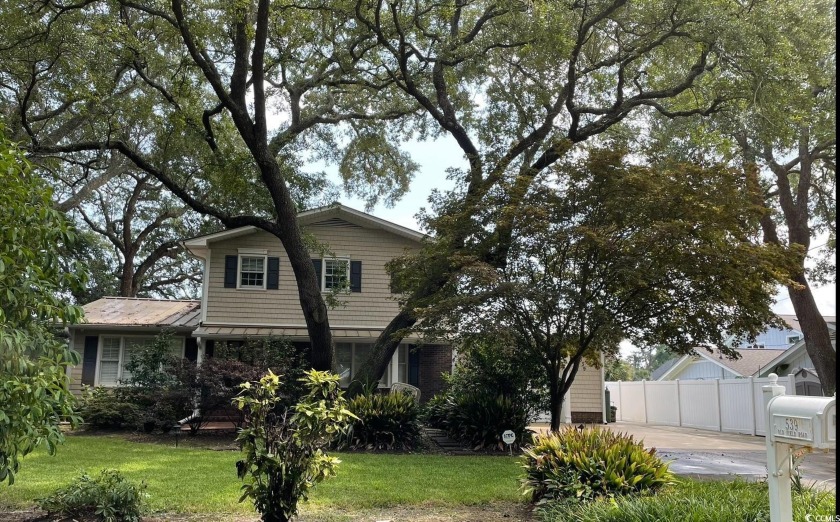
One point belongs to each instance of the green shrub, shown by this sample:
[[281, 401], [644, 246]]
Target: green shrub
[[479, 418], [435, 411], [283, 448], [490, 390], [385, 422], [572, 465], [159, 409], [714, 501], [108, 497], [106, 408]]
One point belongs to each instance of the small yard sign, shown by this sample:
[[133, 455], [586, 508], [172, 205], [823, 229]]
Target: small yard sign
[[508, 437]]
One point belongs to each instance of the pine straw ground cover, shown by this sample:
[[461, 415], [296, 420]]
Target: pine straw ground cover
[[197, 482]]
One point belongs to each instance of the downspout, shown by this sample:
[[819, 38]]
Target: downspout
[[188, 418]]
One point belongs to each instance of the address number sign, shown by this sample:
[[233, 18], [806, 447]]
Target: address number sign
[[800, 428]]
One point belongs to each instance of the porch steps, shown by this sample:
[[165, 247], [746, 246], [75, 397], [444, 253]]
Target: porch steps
[[446, 444]]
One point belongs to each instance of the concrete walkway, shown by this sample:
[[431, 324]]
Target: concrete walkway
[[711, 454]]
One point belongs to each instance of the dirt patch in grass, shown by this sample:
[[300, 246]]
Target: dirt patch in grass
[[496, 512]]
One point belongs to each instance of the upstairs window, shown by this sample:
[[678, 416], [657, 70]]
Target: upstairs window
[[252, 272], [792, 339], [336, 274]]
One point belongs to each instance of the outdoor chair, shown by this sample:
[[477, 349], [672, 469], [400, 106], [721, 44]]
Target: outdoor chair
[[401, 387]]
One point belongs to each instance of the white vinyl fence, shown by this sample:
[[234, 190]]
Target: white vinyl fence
[[731, 405]]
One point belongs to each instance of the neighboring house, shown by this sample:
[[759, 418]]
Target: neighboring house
[[780, 338], [796, 360], [249, 290], [776, 350], [703, 364]]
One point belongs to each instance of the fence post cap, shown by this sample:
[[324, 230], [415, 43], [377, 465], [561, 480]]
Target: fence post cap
[[774, 379]]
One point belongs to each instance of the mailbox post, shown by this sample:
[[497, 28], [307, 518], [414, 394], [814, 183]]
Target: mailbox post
[[792, 421]]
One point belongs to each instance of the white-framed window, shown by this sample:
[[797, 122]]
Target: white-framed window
[[336, 274], [350, 357], [115, 352], [252, 271], [791, 339]]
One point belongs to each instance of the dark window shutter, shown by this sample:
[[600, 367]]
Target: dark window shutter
[[355, 276], [413, 366], [316, 264], [273, 281], [209, 347], [231, 264], [191, 349], [89, 359]]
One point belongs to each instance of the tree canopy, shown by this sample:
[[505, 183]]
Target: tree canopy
[[607, 250], [185, 92], [781, 125], [217, 102], [522, 86]]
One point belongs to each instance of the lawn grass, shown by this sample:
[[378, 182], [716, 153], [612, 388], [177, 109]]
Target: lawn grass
[[190, 480], [691, 500]]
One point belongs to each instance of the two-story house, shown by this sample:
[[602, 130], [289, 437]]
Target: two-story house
[[249, 290]]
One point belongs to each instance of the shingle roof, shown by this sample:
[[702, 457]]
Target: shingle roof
[[749, 363], [664, 367], [793, 322], [134, 311]]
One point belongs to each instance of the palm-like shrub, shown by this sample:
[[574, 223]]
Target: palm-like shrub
[[491, 390], [585, 464], [479, 418], [385, 422]]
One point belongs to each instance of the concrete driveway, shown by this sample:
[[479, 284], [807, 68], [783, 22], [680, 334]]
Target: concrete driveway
[[711, 454]]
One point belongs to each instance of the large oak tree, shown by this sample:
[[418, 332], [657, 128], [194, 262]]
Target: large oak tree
[[203, 80], [520, 86], [781, 126]]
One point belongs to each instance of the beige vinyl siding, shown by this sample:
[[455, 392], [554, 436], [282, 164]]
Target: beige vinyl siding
[[373, 307], [587, 390]]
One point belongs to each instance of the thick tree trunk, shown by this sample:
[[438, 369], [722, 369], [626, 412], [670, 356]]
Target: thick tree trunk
[[555, 401], [815, 331], [127, 286], [287, 230], [383, 350], [312, 304], [794, 204]]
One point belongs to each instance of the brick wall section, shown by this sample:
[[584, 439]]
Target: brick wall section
[[434, 360], [587, 417]]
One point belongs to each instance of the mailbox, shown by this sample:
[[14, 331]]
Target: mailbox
[[803, 421]]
